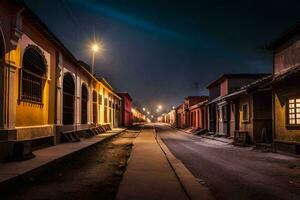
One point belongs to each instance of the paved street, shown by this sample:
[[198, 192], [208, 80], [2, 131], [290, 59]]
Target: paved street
[[234, 172]]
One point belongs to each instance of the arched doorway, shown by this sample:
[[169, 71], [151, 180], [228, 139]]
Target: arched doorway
[[68, 99], [84, 101]]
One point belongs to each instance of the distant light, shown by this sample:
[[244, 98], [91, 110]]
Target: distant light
[[173, 107], [95, 47], [148, 113], [159, 107], [152, 116], [144, 109], [157, 110]]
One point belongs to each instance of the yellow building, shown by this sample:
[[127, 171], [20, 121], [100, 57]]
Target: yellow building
[[137, 116], [286, 92], [45, 90]]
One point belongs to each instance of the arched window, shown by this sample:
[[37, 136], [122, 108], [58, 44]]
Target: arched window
[[84, 99], [33, 74], [68, 99], [95, 118]]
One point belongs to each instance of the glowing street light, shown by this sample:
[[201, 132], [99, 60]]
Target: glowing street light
[[95, 48], [173, 107], [148, 113], [159, 107], [144, 109]]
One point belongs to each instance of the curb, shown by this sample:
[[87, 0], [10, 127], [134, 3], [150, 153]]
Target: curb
[[40, 169], [191, 186], [209, 138], [203, 136]]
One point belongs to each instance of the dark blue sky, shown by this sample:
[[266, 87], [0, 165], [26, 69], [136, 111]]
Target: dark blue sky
[[161, 51]]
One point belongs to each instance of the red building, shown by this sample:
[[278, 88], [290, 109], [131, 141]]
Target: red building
[[198, 115], [126, 115], [187, 117]]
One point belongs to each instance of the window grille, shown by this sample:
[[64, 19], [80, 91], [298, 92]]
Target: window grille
[[95, 117], [33, 75], [68, 99], [84, 100], [294, 111]]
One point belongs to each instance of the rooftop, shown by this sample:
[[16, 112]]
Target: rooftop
[[236, 76], [285, 36]]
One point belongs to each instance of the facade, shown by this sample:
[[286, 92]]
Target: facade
[[28, 63], [137, 116], [286, 93], [220, 118], [180, 117], [172, 117], [198, 115], [250, 113], [46, 90], [126, 107], [189, 101]]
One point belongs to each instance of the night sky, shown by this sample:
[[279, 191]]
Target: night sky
[[162, 51]]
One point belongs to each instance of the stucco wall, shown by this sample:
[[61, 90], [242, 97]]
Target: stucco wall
[[246, 126], [30, 114]]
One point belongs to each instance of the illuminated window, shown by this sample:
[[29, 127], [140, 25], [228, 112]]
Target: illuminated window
[[294, 111]]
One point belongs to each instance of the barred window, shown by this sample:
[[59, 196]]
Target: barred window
[[68, 99], [294, 111], [33, 75], [95, 119], [84, 105]]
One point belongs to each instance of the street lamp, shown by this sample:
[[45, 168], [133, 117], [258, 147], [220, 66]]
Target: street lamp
[[95, 48]]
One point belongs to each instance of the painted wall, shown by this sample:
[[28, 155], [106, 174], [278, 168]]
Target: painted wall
[[31, 114]]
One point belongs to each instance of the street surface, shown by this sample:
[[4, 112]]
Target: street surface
[[93, 173], [235, 172]]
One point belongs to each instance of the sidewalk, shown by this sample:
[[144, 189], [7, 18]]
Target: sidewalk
[[11, 171], [149, 174]]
